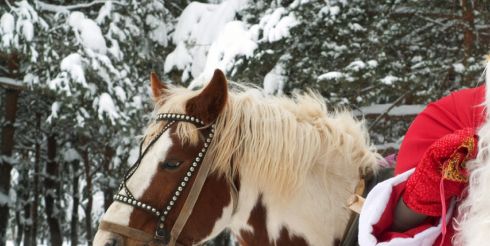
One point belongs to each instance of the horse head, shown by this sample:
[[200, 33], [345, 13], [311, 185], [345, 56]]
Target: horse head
[[170, 197]]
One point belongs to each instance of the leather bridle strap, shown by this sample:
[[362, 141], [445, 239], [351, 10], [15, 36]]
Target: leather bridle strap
[[190, 202], [126, 231]]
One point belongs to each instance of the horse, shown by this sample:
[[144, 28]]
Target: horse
[[273, 170]]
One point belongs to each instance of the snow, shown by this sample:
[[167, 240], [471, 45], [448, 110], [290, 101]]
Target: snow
[[274, 80], [71, 155], [389, 80], [356, 65], [401, 110], [159, 30], [7, 23], [104, 12], [179, 58], [235, 40], [73, 65], [106, 106], [203, 22], [276, 26], [30, 79], [458, 67], [10, 82], [199, 25], [80, 120], [372, 63], [27, 30], [330, 76], [98, 204], [88, 32], [4, 199], [115, 50], [133, 156], [356, 27], [34, 55], [385, 146], [55, 108], [333, 11], [416, 59], [137, 102], [120, 93]]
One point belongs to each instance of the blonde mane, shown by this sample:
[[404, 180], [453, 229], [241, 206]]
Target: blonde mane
[[276, 140]]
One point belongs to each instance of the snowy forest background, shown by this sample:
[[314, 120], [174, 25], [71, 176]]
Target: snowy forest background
[[74, 79]]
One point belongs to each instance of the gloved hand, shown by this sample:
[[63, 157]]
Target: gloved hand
[[444, 159]]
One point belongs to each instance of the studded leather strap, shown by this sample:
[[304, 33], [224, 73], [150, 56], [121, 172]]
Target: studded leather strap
[[190, 201]]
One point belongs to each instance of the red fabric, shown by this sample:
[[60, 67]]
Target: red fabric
[[382, 229], [422, 192], [382, 232], [461, 109]]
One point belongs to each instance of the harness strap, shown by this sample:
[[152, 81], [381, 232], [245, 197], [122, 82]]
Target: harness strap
[[190, 201], [354, 203], [126, 231], [234, 196]]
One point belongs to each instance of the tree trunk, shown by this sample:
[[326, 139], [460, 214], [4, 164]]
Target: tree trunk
[[25, 195], [36, 190], [27, 224], [88, 208], [51, 184], [11, 97], [20, 228], [107, 189], [76, 202]]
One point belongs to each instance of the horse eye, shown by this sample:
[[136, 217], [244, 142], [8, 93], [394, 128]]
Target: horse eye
[[170, 164]]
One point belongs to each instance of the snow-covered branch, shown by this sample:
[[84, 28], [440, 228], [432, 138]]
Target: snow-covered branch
[[58, 8], [11, 83]]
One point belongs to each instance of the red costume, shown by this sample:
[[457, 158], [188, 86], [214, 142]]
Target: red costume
[[429, 163]]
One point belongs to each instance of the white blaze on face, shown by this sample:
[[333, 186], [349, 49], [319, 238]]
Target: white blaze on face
[[119, 213]]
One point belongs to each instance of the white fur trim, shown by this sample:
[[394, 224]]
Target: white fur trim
[[375, 205], [486, 73]]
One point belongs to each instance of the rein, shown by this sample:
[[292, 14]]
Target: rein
[[162, 235]]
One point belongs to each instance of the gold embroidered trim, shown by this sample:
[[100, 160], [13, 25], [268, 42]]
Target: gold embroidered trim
[[454, 168]]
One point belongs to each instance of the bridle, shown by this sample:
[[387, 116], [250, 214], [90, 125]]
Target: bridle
[[198, 169]]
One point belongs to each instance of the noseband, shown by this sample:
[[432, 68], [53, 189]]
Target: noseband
[[162, 235]]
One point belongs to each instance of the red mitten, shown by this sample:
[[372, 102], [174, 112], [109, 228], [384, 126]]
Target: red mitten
[[444, 159]]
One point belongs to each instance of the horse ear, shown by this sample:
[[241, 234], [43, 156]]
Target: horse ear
[[212, 99], [157, 87]]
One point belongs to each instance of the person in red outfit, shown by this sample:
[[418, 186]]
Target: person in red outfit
[[438, 159]]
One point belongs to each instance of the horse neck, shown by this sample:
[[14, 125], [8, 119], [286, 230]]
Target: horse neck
[[304, 218]]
